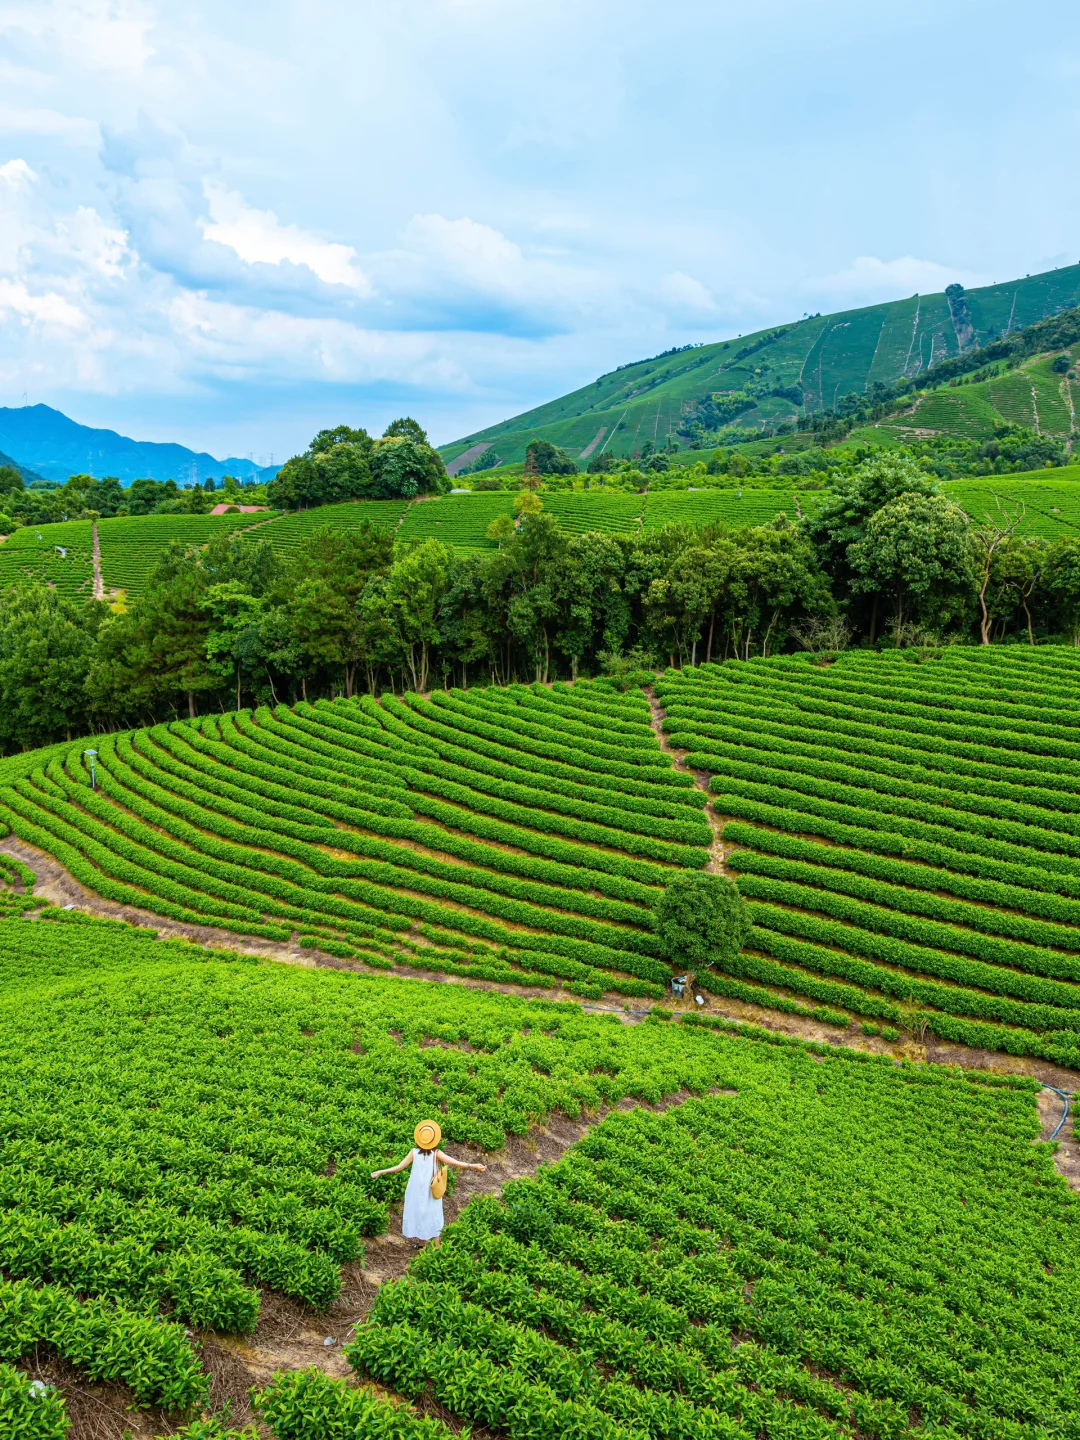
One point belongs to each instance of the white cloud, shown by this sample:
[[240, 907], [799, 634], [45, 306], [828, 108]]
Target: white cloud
[[688, 295], [17, 174], [48, 123], [47, 307], [869, 279], [472, 252], [258, 237], [106, 35]]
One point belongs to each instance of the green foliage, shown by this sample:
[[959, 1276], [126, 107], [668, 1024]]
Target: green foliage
[[337, 466], [30, 1410], [916, 550], [308, 1405], [822, 1212], [701, 920], [10, 480], [406, 429], [944, 884], [402, 468], [548, 459], [46, 649]]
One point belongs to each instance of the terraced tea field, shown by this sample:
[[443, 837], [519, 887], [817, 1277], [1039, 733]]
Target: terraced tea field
[[908, 836], [578, 511], [1050, 501], [517, 835], [60, 556], [131, 546], [458, 520], [821, 1245], [732, 507], [288, 532]]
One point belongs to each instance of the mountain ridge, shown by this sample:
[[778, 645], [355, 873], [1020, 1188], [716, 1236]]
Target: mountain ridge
[[55, 446], [793, 369]]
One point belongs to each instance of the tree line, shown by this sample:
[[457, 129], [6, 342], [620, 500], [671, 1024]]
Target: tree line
[[887, 560]]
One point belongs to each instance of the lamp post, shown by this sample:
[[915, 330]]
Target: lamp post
[[93, 777]]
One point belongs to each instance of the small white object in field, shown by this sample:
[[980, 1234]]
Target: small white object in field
[[329, 1341], [37, 1388], [699, 1000]]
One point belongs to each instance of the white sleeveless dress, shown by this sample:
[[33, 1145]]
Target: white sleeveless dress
[[422, 1216]]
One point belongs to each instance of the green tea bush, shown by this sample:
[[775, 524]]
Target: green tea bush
[[907, 835]]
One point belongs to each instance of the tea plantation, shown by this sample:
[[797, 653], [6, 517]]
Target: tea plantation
[[822, 1244], [810, 1242], [908, 835]]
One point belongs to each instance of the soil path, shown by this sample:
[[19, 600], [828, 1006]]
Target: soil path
[[593, 443], [292, 1336], [467, 457], [99, 584], [701, 780]]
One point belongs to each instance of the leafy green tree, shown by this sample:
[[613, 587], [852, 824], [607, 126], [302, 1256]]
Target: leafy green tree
[[1062, 580], [406, 429], [106, 496], [402, 468], [593, 610], [500, 529], [527, 503], [327, 440], [701, 920], [527, 571], [46, 649], [548, 459], [10, 480], [768, 580], [917, 551], [232, 611], [158, 652], [1016, 577], [329, 579], [469, 632], [842, 520], [602, 463], [336, 466], [403, 608]]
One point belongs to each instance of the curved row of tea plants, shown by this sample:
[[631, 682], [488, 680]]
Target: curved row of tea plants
[[521, 834], [907, 834], [834, 1249], [60, 556], [180, 1127], [132, 545]]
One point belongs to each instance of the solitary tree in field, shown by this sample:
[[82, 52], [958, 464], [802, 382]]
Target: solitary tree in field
[[500, 529], [701, 920]]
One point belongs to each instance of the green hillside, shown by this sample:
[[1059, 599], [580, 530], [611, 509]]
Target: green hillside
[[824, 356]]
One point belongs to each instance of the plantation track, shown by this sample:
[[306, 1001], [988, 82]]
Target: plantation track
[[57, 886]]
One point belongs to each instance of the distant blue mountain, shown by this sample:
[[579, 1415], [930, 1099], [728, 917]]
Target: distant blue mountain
[[45, 440], [24, 470]]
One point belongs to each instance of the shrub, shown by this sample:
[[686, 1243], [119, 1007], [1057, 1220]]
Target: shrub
[[701, 920]]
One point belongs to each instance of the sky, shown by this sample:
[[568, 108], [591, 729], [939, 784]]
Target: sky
[[231, 225]]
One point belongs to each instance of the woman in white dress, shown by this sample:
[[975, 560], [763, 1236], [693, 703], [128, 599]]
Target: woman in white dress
[[422, 1216]]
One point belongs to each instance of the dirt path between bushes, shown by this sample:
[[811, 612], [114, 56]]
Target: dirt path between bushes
[[99, 583], [291, 1336], [701, 779]]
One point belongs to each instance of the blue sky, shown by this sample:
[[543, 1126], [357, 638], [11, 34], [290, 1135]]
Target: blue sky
[[230, 224]]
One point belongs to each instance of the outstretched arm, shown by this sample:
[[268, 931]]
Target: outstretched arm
[[394, 1168], [457, 1164]]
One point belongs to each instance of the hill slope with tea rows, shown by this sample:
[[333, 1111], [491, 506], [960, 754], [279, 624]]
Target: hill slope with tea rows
[[822, 1246], [826, 356], [517, 833], [907, 835]]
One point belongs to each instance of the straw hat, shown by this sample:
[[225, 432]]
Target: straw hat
[[427, 1134]]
